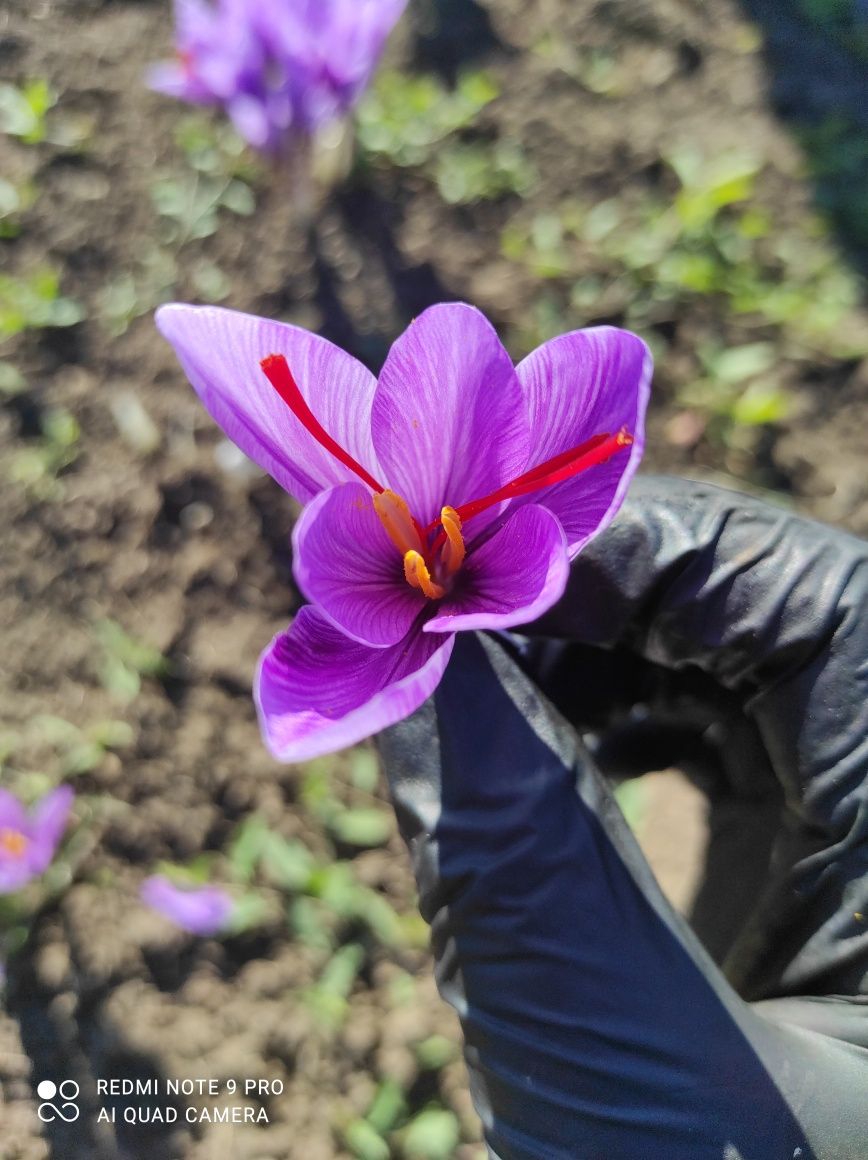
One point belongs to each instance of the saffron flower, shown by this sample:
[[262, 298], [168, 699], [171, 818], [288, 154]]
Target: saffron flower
[[28, 841], [200, 910], [450, 494], [282, 70]]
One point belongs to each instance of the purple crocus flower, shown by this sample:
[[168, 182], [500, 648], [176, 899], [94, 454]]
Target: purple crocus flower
[[28, 841], [450, 494], [283, 69], [201, 910]]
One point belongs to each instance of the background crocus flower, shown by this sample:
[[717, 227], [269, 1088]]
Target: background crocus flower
[[200, 910], [282, 70], [28, 841], [450, 494]]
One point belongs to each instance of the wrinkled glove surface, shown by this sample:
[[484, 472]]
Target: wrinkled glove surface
[[711, 628]]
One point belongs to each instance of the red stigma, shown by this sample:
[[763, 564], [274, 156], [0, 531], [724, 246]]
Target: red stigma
[[276, 370], [597, 449]]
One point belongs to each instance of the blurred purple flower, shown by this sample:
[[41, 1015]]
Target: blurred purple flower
[[202, 910], [28, 841], [281, 69], [495, 477]]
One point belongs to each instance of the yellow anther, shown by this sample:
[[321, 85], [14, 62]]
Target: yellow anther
[[399, 523], [417, 575], [13, 842], [453, 551]]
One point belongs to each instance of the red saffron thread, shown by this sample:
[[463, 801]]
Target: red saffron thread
[[597, 449], [276, 370]]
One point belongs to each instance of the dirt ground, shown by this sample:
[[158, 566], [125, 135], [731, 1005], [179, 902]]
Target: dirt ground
[[139, 516]]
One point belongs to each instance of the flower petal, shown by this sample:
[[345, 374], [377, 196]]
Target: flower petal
[[52, 813], [579, 385], [449, 422], [13, 815], [220, 351], [346, 564], [317, 691], [510, 579], [47, 826], [200, 910]]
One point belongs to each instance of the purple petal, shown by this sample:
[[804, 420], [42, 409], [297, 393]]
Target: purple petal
[[47, 826], [201, 910], [220, 351], [318, 691], [170, 78], [52, 813], [579, 385], [449, 420], [510, 579], [14, 873], [346, 564], [250, 117], [39, 835], [13, 815], [329, 49]]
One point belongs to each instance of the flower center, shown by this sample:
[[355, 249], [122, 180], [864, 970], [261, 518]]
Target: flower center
[[433, 555], [13, 843], [428, 566]]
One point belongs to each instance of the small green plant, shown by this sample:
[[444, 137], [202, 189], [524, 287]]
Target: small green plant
[[137, 292], [24, 111], [190, 205], [217, 179], [33, 302], [408, 119], [738, 389], [433, 1134], [357, 825], [38, 465], [125, 660], [81, 749], [325, 896], [14, 201], [214, 148], [328, 998], [477, 171], [12, 382], [366, 1138], [404, 118]]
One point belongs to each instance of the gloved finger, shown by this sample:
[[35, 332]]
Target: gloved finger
[[642, 716], [774, 609], [595, 1025]]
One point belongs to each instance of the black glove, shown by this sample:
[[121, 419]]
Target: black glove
[[596, 1025]]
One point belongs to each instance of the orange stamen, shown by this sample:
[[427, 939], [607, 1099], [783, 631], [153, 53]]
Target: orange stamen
[[453, 551], [417, 576], [13, 842], [398, 521], [276, 370]]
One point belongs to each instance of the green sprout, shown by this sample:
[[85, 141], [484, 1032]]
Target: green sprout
[[24, 111], [404, 118], [34, 302], [36, 467], [125, 660]]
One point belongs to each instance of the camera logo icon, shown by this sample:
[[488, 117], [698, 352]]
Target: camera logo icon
[[58, 1101]]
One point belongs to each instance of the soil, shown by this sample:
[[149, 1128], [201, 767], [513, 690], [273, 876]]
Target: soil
[[175, 541]]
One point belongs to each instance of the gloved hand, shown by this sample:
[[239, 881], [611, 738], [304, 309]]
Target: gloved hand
[[597, 1026]]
